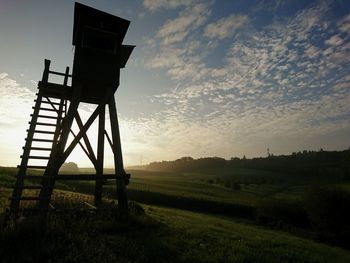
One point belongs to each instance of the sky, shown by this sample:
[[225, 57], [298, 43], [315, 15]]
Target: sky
[[207, 78]]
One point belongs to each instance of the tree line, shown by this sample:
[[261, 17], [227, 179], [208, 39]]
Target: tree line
[[314, 162]]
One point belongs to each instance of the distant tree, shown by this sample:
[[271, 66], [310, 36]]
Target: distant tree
[[329, 211], [71, 166], [210, 181], [236, 186], [187, 159]]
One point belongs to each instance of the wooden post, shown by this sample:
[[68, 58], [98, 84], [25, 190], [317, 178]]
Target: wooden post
[[100, 155], [118, 160]]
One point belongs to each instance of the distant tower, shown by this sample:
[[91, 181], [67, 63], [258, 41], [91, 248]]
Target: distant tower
[[268, 152], [99, 56]]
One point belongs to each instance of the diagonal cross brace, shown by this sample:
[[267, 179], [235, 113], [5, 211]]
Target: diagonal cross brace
[[89, 151], [86, 126], [81, 133]]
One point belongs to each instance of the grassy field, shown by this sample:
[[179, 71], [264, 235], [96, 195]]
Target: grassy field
[[208, 185], [159, 235], [202, 184], [166, 234]]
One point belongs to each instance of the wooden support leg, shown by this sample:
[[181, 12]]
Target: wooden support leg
[[118, 160], [100, 155]]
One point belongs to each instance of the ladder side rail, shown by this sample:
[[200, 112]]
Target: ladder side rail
[[66, 76], [46, 192], [18, 187], [46, 183], [58, 122], [54, 162], [22, 169]]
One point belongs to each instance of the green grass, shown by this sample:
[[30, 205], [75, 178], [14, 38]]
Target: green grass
[[148, 186], [165, 234], [196, 184], [224, 240], [161, 235]]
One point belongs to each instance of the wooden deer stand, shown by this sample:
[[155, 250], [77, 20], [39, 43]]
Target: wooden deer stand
[[99, 55]]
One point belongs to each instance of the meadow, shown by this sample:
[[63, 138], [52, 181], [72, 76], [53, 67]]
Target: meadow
[[195, 216]]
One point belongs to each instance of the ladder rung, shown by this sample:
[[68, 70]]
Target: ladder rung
[[37, 157], [46, 109], [33, 167], [45, 116], [32, 187], [90, 177], [44, 132], [29, 210], [41, 140], [47, 102], [44, 124], [38, 148], [32, 177], [60, 74], [28, 198]]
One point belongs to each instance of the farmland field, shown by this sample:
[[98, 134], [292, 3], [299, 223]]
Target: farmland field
[[204, 184], [185, 220], [162, 235]]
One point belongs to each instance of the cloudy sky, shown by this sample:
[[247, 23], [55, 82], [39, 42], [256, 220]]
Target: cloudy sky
[[207, 78]]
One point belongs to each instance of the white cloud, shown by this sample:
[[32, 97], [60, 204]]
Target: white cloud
[[3, 75], [15, 107], [312, 51], [334, 41], [265, 88], [344, 24], [176, 30], [154, 5], [342, 86], [226, 27], [175, 49]]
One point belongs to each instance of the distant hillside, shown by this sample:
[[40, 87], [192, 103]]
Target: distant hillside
[[314, 162]]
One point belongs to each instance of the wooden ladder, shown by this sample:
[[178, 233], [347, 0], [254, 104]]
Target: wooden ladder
[[46, 120]]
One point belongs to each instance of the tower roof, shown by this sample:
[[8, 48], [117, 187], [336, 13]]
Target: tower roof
[[85, 16]]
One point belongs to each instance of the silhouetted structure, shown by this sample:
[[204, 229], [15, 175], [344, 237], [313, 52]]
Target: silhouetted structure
[[99, 55]]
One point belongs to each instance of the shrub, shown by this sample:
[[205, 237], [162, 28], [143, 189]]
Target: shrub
[[228, 184], [329, 212], [236, 186], [281, 213]]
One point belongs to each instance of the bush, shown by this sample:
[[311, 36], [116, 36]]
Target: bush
[[281, 213], [210, 181], [236, 186], [329, 212], [228, 184]]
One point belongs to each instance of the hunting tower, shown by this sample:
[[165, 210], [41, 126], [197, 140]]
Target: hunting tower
[[99, 55]]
